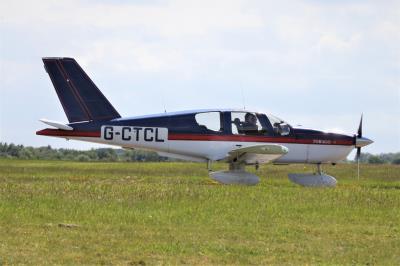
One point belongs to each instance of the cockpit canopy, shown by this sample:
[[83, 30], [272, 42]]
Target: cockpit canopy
[[242, 123], [279, 126]]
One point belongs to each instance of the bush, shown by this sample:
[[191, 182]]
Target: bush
[[374, 159], [83, 158]]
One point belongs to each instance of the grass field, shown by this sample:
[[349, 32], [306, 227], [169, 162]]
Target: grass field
[[172, 213]]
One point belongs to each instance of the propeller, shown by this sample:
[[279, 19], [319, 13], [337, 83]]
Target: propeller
[[360, 142], [358, 154]]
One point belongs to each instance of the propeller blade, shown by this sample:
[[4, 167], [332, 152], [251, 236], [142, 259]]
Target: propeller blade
[[359, 132], [358, 162]]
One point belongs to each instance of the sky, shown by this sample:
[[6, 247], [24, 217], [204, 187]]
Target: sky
[[319, 64]]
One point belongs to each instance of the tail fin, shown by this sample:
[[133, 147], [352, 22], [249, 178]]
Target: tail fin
[[79, 96]]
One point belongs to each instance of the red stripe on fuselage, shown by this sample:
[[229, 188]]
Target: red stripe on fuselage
[[203, 137], [243, 138], [67, 133]]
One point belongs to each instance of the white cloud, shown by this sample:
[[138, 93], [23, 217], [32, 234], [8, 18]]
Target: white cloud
[[130, 56], [175, 18], [289, 55], [335, 44]]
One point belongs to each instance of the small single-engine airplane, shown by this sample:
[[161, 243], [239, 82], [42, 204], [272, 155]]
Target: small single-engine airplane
[[237, 137]]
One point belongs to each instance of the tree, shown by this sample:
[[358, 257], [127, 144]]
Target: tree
[[83, 158], [396, 161], [375, 159]]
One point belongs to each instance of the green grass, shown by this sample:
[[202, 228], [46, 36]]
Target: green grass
[[172, 213]]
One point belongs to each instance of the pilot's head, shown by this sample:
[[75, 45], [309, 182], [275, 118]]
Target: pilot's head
[[250, 118]]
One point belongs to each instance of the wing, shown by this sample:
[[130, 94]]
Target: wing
[[257, 154]]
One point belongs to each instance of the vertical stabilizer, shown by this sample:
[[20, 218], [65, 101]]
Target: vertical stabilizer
[[79, 96]]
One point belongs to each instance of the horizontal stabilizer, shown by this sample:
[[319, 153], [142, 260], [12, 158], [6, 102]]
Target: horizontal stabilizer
[[56, 124]]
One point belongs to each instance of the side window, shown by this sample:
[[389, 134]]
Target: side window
[[246, 123], [209, 120], [280, 127]]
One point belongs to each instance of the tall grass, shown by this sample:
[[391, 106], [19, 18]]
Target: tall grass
[[172, 213]]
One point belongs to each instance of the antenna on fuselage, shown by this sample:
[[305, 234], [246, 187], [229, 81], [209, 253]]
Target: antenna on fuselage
[[163, 99], [241, 90]]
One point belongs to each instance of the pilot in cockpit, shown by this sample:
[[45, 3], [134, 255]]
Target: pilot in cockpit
[[248, 126], [250, 123]]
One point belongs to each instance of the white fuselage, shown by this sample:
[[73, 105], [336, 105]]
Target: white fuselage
[[203, 150]]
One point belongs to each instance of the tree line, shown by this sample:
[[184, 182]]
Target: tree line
[[113, 155], [102, 154], [383, 158]]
